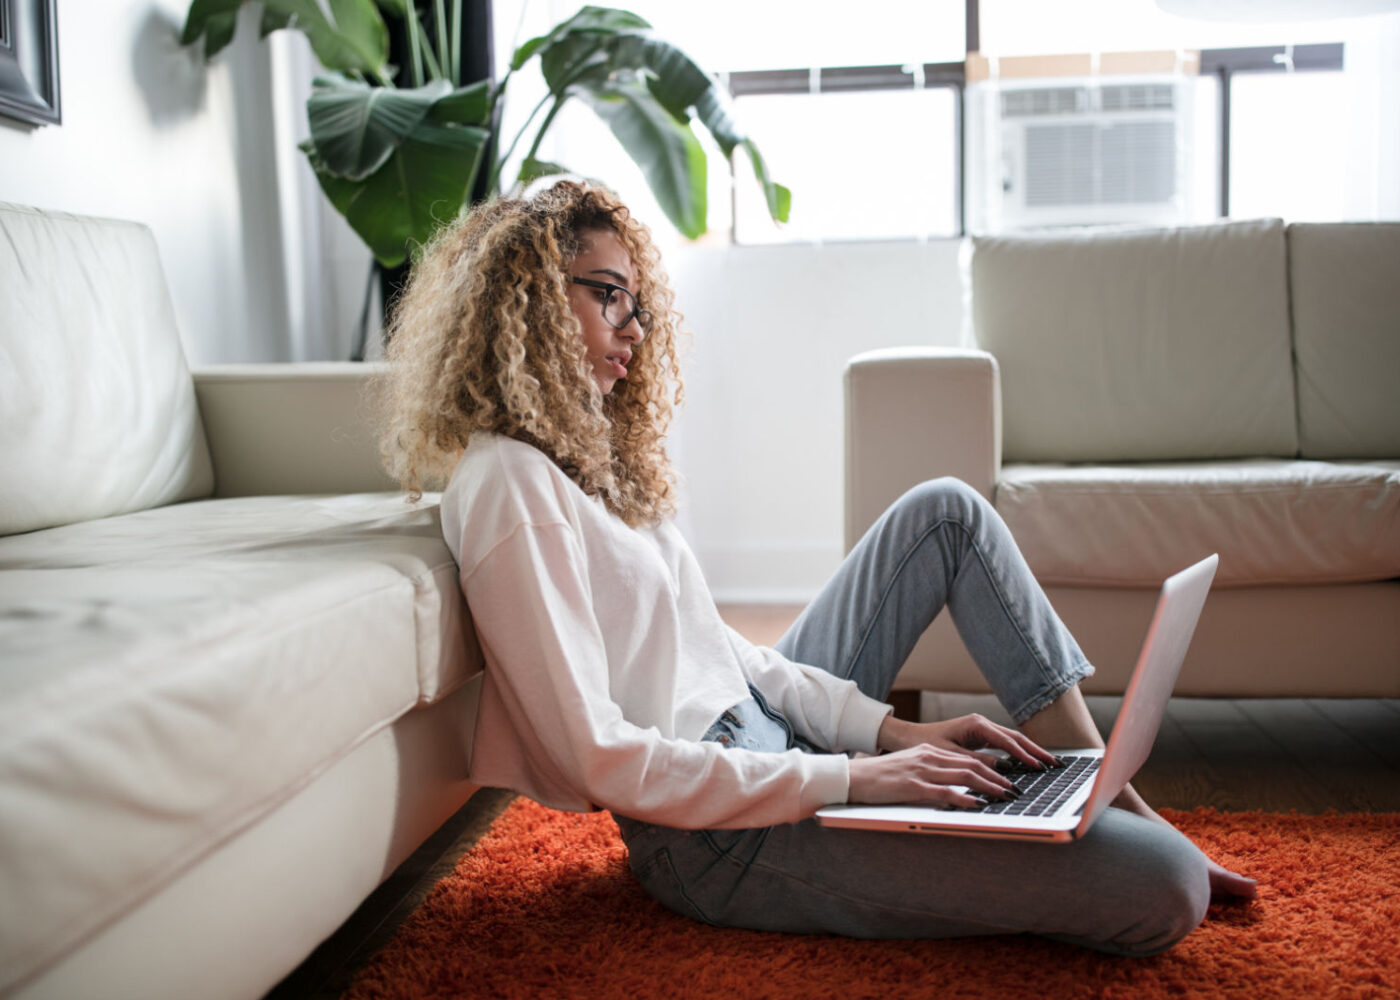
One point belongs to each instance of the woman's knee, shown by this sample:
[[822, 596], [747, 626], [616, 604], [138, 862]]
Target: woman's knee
[[941, 498], [1172, 893]]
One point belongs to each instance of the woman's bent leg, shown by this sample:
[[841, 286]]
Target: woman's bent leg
[[1130, 887], [941, 543]]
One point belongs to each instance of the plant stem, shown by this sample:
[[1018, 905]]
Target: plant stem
[[498, 92], [457, 43], [495, 179], [560, 95], [440, 23], [544, 125], [415, 30], [434, 70]]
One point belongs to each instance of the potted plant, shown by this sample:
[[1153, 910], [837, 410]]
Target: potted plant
[[398, 161]]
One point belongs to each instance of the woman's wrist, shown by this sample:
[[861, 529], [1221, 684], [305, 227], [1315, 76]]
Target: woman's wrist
[[897, 734]]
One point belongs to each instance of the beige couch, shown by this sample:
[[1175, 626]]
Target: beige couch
[[238, 677], [1137, 399]]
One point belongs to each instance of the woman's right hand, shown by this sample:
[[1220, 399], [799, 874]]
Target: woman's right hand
[[925, 774]]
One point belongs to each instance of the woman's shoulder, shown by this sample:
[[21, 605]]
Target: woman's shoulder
[[501, 482], [495, 455]]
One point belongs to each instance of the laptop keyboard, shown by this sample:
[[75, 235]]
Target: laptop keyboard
[[1042, 792]]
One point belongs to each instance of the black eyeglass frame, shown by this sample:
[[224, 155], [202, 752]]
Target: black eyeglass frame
[[642, 316]]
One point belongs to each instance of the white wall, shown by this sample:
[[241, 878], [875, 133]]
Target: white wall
[[760, 439], [150, 133]]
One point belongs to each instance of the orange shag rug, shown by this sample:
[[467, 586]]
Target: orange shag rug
[[544, 906]]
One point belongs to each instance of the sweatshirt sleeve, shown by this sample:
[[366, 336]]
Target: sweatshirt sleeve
[[533, 613], [823, 708]]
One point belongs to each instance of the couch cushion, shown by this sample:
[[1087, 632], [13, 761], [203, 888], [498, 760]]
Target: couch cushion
[[170, 676], [97, 409], [1345, 282], [1139, 345], [1272, 521]]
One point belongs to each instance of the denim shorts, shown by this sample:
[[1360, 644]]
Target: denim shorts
[[753, 724]]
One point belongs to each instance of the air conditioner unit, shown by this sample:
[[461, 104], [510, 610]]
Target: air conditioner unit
[[1083, 152]]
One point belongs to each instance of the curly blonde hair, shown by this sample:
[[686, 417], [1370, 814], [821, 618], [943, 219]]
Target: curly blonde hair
[[483, 339]]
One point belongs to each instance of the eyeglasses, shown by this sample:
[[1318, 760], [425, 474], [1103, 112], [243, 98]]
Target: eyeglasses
[[619, 305]]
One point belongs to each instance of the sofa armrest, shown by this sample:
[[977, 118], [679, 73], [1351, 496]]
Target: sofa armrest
[[290, 428], [917, 413]]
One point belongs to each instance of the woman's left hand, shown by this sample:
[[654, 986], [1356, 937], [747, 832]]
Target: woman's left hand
[[967, 733]]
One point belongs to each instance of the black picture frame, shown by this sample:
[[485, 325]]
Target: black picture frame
[[29, 61]]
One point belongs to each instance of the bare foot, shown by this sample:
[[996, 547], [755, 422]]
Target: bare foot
[[1225, 886], [1230, 887]]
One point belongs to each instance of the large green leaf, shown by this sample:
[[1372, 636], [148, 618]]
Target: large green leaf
[[356, 127], [424, 184], [574, 59], [360, 29], [532, 170], [396, 7], [215, 20], [339, 191], [678, 83], [596, 20], [469, 105], [713, 112], [778, 197], [671, 157], [356, 40], [578, 52], [272, 21], [590, 56]]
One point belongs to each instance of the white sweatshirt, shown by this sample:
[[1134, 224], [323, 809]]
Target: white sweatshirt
[[606, 661]]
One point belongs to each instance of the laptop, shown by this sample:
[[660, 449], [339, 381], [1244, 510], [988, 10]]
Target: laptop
[[1061, 804]]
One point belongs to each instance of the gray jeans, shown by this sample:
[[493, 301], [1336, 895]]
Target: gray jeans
[[1130, 887]]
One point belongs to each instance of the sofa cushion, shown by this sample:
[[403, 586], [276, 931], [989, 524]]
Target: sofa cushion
[[1345, 283], [1139, 345], [1272, 521], [170, 676], [97, 408]]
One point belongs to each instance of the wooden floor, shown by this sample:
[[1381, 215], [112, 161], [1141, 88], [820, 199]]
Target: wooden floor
[[1275, 755]]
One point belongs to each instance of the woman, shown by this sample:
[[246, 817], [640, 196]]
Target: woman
[[533, 369]]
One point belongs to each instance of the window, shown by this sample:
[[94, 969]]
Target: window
[[1299, 120], [1287, 145], [1284, 139], [909, 119], [869, 152], [829, 95]]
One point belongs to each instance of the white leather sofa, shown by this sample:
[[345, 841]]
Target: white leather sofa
[[1137, 399], [238, 677]]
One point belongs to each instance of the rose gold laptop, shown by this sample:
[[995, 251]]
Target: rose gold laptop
[[1061, 805]]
